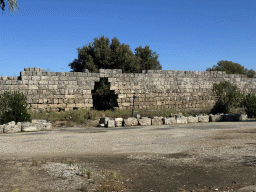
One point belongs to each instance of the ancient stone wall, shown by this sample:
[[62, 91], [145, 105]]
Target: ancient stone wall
[[153, 88]]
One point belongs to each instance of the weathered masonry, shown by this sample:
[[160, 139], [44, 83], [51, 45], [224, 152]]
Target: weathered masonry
[[153, 89]]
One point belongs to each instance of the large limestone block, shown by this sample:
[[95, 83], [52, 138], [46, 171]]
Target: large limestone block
[[131, 121], [157, 121], [192, 119], [28, 127], [215, 118], [12, 128], [243, 117], [1, 129], [203, 119], [182, 120], [119, 122], [144, 121], [111, 123], [47, 126], [171, 120]]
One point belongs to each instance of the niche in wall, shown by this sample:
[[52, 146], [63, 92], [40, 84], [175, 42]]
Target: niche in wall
[[103, 97]]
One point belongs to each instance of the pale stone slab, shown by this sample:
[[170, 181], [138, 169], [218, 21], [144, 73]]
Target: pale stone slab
[[157, 121], [145, 121], [119, 119], [1, 129], [131, 121], [192, 119], [12, 128], [181, 120], [47, 126], [171, 120], [111, 123], [203, 119]]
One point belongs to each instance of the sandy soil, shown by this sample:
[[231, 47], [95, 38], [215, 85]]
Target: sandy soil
[[217, 156]]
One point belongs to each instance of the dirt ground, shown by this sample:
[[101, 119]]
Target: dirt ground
[[185, 157]]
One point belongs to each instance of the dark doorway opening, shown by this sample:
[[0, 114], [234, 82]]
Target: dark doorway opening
[[103, 97]]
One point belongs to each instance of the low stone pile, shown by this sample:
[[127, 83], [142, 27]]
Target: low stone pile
[[176, 119], [35, 125]]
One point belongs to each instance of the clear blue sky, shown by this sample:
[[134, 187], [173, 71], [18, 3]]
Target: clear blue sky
[[187, 34]]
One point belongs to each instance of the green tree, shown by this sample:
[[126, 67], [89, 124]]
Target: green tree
[[103, 54], [232, 68], [13, 107], [227, 96], [13, 4], [249, 104], [148, 59], [228, 66]]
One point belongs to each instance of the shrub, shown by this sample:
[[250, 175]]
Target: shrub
[[13, 107], [249, 103], [227, 96]]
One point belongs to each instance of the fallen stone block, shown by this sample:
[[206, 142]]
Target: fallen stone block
[[181, 120], [243, 117], [203, 119], [111, 123], [131, 121], [192, 119], [144, 121], [157, 121], [38, 121], [119, 122], [12, 128], [1, 129], [28, 127], [215, 118], [47, 126], [171, 120]]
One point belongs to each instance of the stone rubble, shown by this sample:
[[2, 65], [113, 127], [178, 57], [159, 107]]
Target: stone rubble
[[175, 119], [35, 125]]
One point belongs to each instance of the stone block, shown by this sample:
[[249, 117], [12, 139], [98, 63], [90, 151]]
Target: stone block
[[203, 119], [171, 120], [12, 128], [119, 119], [111, 123], [38, 121], [215, 118], [157, 121], [181, 120], [28, 127], [144, 121], [243, 117], [131, 121], [47, 126], [1, 129], [192, 119]]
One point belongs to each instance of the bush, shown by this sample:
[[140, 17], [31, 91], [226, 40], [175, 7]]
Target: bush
[[227, 96], [249, 103], [13, 107]]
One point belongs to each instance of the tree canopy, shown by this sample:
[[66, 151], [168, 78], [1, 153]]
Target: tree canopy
[[232, 68], [12, 4], [103, 54]]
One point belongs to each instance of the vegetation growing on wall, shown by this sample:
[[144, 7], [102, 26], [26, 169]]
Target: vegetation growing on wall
[[13, 107]]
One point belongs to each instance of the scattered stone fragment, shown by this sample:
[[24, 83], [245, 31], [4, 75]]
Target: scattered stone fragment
[[215, 118], [1, 129]]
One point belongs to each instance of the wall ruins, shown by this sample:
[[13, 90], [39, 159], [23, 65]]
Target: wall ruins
[[153, 89]]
